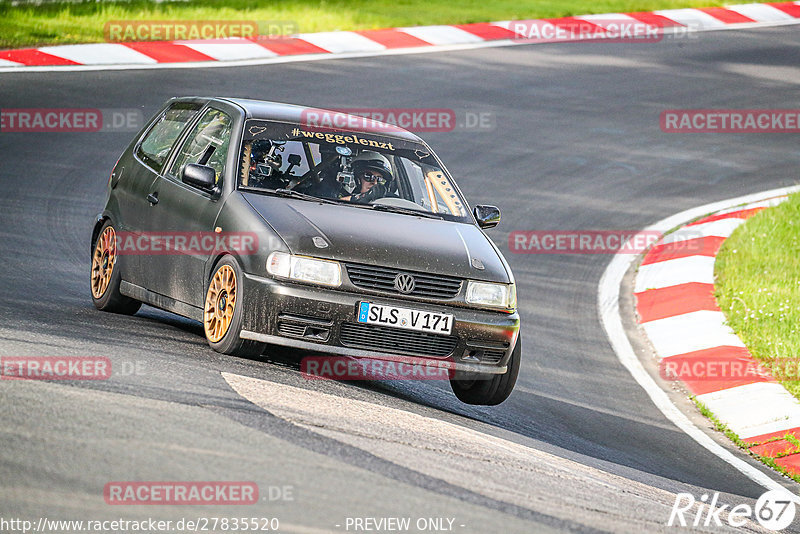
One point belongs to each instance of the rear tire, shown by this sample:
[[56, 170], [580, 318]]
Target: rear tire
[[489, 390], [222, 312], [105, 275]]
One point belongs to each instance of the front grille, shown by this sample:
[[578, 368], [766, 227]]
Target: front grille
[[311, 328], [286, 329], [365, 336], [485, 351], [428, 285], [492, 355]]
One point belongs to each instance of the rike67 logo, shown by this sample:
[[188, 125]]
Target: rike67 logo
[[774, 510]]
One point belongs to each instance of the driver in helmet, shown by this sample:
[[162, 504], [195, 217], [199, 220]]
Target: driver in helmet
[[373, 176]]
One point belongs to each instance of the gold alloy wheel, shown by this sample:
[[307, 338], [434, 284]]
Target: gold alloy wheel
[[103, 260], [220, 303]]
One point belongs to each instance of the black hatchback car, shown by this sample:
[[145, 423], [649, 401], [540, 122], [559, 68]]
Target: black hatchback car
[[349, 239]]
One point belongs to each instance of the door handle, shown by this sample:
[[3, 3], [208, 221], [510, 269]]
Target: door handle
[[152, 198]]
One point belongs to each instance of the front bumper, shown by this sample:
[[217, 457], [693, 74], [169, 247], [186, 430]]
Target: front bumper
[[324, 320]]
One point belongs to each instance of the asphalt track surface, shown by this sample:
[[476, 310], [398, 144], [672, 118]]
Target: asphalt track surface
[[577, 447]]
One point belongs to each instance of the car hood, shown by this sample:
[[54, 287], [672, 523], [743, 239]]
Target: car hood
[[364, 236]]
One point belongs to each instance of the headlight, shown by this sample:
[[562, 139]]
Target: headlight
[[502, 296], [303, 269]]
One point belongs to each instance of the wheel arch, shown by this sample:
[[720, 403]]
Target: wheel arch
[[216, 258], [99, 221]]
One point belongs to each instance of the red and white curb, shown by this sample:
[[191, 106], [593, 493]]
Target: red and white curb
[[608, 301], [674, 291], [306, 46]]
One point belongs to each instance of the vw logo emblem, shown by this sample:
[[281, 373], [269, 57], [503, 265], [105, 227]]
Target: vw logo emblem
[[404, 283]]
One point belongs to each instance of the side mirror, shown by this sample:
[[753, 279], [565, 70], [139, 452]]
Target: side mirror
[[487, 216], [201, 176]]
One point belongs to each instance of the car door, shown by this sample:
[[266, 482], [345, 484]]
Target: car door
[[137, 175], [182, 210]]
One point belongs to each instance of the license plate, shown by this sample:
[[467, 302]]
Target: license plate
[[421, 321]]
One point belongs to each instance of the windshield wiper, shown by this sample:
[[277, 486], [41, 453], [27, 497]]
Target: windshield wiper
[[297, 194], [406, 211]]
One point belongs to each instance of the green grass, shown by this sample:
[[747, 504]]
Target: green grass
[[758, 288], [731, 435], [62, 23], [720, 426]]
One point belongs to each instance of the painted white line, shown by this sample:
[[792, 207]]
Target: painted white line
[[507, 25], [608, 308], [7, 63], [766, 204], [690, 332], [754, 409], [342, 42], [721, 228], [525, 30], [781, 425], [226, 51], [674, 272], [612, 17], [693, 18], [267, 61], [98, 54], [761, 12], [753, 25], [607, 19], [441, 35], [325, 57]]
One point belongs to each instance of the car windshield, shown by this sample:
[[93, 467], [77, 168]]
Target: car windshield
[[362, 169]]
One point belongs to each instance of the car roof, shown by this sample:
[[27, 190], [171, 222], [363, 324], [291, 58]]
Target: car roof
[[277, 111]]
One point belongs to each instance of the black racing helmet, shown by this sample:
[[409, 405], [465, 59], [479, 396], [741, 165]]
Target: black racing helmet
[[369, 159], [260, 149]]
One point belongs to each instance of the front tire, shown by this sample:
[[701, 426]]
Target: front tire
[[222, 313], [105, 276], [492, 389]]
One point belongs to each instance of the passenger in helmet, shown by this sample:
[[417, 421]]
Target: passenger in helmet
[[373, 176], [260, 173]]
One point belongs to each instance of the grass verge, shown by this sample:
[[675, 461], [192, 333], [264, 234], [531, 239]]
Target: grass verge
[[758, 288], [731, 435], [83, 22]]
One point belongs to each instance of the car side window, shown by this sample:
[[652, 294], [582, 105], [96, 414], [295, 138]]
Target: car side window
[[158, 142], [207, 144]]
